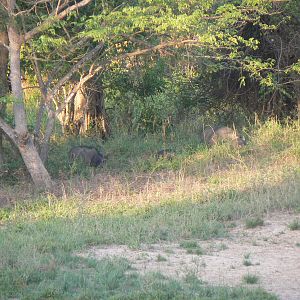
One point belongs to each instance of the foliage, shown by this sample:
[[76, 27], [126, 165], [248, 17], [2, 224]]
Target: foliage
[[165, 61], [226, 36], [229, 40]]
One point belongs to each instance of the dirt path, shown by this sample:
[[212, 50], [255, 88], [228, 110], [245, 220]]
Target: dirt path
[[272, 253]]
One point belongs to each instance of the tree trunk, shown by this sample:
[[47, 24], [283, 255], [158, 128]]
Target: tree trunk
[[1, 148], [296, 79], [35, 167], [297, 95], [49, 129], [86, 111], [38, 124], [80, 110], [97, 113], [4, 88], [22, 138]]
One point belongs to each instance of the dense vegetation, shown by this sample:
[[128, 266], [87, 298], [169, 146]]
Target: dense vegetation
[[142, 66]]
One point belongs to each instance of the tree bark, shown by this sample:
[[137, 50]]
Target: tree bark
[[87, 111], [21, 136], [1, 148], [296, 79], [48, 132], [297, 94], [4, 87]]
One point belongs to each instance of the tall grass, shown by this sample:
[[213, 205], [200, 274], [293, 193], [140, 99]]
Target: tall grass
[[136, 198]]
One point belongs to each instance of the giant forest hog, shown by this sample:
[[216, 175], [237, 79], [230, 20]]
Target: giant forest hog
[[213, 135], [90, 156]]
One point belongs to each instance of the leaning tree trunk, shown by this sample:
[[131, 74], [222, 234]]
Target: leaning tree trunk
[[22, 138], [4, 88]]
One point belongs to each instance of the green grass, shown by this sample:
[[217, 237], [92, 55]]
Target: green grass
[[192, 247], [250, 279], [75, 278], [295, 225], [39, 237], [254, 222], [189, 244], [161, 258], [247, 262], [37, 240], [37, 261]]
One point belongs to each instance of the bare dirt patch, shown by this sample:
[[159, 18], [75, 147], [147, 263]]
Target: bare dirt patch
[[271, 252]]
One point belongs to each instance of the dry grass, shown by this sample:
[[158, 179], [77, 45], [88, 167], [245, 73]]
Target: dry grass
[[239, 174]]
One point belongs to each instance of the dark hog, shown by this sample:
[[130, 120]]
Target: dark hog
[[214, 135], [89, 156]]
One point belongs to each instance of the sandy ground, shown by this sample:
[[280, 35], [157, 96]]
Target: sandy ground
[[272, 250]]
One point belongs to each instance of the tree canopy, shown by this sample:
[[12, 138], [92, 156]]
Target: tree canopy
[[150, 58]]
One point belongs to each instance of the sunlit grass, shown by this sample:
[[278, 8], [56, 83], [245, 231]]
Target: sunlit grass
[[137, 199]]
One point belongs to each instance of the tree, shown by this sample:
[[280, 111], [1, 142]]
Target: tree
[[3, 82], [86, 111], [239, 41], [19, 135]]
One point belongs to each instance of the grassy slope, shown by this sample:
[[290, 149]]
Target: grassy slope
[[206, 191]]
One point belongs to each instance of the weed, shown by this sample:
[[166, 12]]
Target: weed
[[192, 247], [222, 247], [295, 225], [247, 263], [250, 279], [161, 258], [189, 244], [254, 222], [247, 256], [196, 251]]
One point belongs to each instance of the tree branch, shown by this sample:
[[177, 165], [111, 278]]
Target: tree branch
[[7, 130], [93, 71], [76, 67], [53, 18]]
